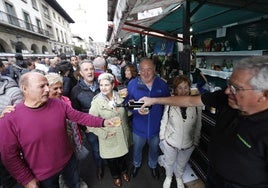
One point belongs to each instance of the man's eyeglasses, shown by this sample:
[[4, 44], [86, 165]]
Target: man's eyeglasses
[[235, 89]]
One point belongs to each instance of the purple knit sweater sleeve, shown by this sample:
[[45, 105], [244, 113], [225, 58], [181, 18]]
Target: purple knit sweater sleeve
[[10, 151], [83, 118]]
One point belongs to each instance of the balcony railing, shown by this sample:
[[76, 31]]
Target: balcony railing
[[12, 20]]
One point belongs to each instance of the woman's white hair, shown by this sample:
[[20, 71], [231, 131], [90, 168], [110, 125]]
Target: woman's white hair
[[53, 78], [106, 76]]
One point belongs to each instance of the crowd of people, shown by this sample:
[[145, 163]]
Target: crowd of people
[[47, 101]]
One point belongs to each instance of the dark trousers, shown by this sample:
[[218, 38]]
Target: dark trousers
[[117, 166], [6, 180], [69, 173], [94, 145], [215, 181]]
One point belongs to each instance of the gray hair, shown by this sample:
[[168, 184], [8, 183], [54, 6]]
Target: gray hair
[[53, 78], [259, 67], [99, 62], [147, 59], [106, 76], [84, 61]]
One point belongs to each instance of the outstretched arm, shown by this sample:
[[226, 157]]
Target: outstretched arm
[[204, 77], [173, 100]]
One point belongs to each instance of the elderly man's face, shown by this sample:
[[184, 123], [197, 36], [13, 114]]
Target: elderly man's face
[[87, 72], [37, 91], [246, 99], [147, 72]]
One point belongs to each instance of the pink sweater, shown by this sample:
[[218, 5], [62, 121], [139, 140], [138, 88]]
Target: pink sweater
[[40, 134]]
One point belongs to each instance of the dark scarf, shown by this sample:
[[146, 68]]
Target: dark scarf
[[183, 112]]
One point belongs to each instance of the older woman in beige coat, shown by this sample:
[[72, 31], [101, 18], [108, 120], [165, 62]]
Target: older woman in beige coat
[[113, 142]]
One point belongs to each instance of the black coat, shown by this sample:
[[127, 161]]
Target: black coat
[[81, 96]]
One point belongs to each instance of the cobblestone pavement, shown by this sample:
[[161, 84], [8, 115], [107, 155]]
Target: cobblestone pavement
[[142, 180]]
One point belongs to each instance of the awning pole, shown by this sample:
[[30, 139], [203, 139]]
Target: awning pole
[[186, 37], [146, 45], [141, 44]]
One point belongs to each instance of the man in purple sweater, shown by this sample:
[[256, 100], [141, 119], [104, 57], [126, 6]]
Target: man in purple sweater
[[34, 145]]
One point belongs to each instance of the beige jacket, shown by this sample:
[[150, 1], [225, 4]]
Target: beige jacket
[[117, 145]]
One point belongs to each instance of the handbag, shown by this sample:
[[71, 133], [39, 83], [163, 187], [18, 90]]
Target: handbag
[[82, 152], [75, 136]]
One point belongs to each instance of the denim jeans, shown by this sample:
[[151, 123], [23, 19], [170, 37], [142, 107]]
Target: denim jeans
[[69, 173], [138, 145], [94, 144]]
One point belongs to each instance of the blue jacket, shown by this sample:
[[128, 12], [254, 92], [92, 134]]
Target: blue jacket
[[147, 126]]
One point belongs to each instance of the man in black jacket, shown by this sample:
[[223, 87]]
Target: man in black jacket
[[81, 97]]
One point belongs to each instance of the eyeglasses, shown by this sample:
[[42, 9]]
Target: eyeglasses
[[235, 89]]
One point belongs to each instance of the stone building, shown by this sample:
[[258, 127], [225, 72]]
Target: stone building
[[34, 27]]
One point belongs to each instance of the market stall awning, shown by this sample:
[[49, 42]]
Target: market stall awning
[[131, 11], [205, 15]]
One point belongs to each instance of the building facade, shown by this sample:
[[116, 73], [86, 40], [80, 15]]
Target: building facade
[[34, 27]]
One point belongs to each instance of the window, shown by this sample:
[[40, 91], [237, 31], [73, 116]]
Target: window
[[57, 32], [39, 26], [54, 15], [50, 32], [27, 20], [12, 19], [46, 12], [34, 4], [65, 38], [62, 39]]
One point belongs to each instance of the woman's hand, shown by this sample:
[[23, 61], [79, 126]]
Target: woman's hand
[[110, 134], [113, 122], [8, 109]]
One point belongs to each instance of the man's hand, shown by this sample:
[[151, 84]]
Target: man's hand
[[144, 111], [147, 102], [32, 184]]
